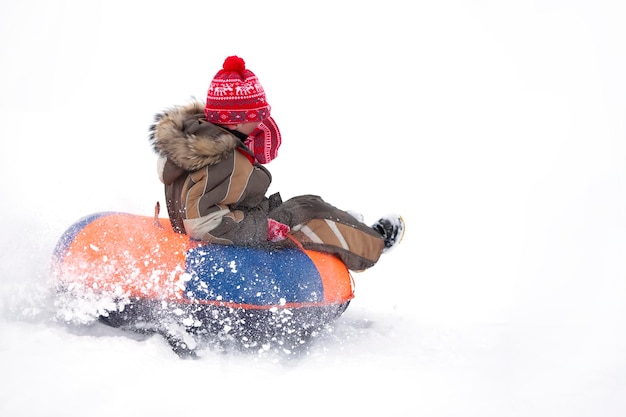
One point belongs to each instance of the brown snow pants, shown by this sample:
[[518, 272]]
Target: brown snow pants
[[320, 226]]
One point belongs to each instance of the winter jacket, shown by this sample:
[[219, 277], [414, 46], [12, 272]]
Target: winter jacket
[[214, 190]]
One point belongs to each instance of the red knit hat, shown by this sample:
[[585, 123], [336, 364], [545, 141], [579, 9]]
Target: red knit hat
[[235, 95]]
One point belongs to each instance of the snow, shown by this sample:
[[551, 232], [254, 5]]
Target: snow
[[495, 128]]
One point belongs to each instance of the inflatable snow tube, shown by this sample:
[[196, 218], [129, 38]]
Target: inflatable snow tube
[[138, 272]]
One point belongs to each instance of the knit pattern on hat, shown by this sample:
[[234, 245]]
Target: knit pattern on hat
[[235, 95]]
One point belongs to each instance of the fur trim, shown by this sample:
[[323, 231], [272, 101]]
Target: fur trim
[[206, 144]]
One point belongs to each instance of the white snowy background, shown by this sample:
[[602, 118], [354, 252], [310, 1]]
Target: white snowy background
[[497, 128]]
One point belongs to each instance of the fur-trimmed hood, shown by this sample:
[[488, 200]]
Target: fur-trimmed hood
[[183, 136]]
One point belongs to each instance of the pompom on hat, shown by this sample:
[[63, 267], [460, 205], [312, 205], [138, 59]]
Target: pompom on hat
[[235, 95]]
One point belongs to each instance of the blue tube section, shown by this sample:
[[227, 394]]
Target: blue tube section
[[252, 276]]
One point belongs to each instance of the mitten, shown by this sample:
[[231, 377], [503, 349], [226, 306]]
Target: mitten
[[276, 231]]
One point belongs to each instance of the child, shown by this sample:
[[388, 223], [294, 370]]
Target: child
[[211, 160]]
